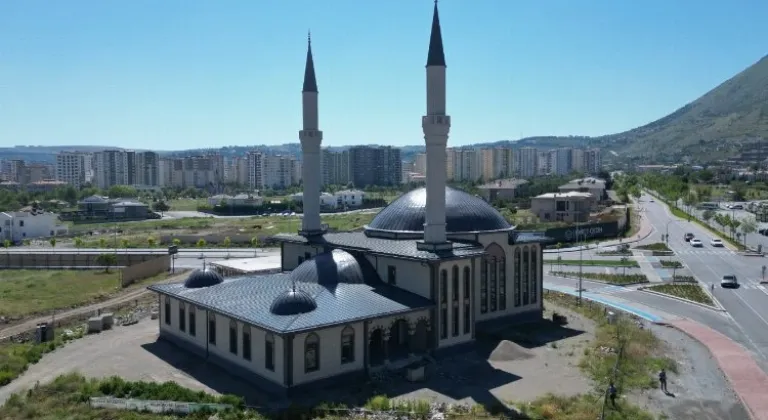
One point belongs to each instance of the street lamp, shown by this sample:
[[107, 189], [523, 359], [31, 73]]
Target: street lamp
[[581, 259]]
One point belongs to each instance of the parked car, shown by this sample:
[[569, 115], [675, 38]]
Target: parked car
[[688, 237], [729, 281], [696, 243], [737, 207], [716, 243]]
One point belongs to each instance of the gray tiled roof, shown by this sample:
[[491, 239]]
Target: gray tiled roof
[[463, 213], [249, 299], [405, 248]]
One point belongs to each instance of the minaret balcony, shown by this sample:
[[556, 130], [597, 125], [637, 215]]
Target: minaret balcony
[[311, 135], [436, 124]]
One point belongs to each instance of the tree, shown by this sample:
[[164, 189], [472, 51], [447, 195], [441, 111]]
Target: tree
[[78, 242], [151, 241], [7, 244], [734, 225], [748, 226], [106, 260], [254, 244], [708, 215], [176, 241], [161, 206], [52, 241], [102, 243], [124, 243], [201, 243], [227, 242]]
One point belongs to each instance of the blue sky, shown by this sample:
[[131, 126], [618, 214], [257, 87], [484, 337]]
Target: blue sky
[[177, 74]]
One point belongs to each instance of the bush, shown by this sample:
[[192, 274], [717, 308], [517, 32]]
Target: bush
[[605, 277], [671, 264], [16, 358], [685, 279], [657, 246], [692, 292]]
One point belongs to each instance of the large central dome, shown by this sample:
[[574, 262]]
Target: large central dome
[[463, 213]]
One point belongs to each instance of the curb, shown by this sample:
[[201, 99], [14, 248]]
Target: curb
[[653, 292]]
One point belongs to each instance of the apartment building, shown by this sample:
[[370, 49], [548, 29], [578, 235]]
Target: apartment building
[[375, 165], [526, 162], [114, 167], [335, 167], [571, 207], [529, 161], [463, 164], [279, 172], [148, 169], [496, 163], [74, 168]]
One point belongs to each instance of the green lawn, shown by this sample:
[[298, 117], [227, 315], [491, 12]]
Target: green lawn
[[186, 204], [692, 292], [594, 263], [671, 264], [656, 246], [619, 279]]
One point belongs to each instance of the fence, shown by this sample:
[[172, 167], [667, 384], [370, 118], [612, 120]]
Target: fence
[[146, 269]]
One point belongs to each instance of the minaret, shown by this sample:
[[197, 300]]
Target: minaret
[[436, 125], [311, 138]]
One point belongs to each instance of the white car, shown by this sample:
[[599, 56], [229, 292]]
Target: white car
[[696, 243], [716, 243], [729, 281]]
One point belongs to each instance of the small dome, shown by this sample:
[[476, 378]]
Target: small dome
[[202, 278], [293, 302], [337, 266], [463, 213]]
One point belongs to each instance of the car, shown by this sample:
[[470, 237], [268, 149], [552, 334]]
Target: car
[[688, 237], [716, 243], [696, 243], [729, 281], [737, 207]]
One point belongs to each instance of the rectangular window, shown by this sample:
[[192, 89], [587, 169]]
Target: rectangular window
[[526, 276], [534, 284], [269, 354], [467, 319], [347, 348], [455, 286], [233, 338], [167, 311], [192, 322], [455, 320], [182, 318], [502, 284], [212, 330], [443, 286], [483, 287], [492, 270], [392, 275], [246, 343], [444, 323], [516, 274]]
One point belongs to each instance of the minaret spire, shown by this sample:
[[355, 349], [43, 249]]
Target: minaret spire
[[310, 83], [436, 55]]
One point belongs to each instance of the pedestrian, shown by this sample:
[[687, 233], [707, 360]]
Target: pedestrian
[[612, 394], [663, 380]]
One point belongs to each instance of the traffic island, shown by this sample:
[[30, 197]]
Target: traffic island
[[686, 289], [616, 279]]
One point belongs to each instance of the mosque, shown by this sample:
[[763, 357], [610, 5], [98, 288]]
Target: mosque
[[430, 269]]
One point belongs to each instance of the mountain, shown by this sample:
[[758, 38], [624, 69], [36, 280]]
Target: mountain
[[716, 125]]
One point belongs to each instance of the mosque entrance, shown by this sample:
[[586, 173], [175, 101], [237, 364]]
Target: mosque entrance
[[377, 355], [420, 338], [398, 340]]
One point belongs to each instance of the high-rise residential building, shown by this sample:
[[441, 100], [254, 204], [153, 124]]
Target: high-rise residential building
[[375, 166], [526, 162], [420, 164], [147, 169], [13, 170], [74, 168], [593, 161], [496, 163], [463, 164], [278, 172], [577, 160], [561, 161], [255, 165], [335, 167], [114, 167]]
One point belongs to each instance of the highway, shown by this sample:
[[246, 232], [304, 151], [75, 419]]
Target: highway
[[747, 305]]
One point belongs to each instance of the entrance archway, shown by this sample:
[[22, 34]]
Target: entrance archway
[[420, 337], [376, 349], [398, 340]]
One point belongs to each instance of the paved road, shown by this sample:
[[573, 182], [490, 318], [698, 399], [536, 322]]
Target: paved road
[[748, 305]]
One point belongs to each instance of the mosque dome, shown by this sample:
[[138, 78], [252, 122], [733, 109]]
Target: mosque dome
[[202, 278], [336, 266], [293, 302], [463, 213]]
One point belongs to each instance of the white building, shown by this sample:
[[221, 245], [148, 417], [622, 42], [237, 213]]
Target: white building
[[236, 200], [349, 198], [74, 168], [422, 278], [17, 226]]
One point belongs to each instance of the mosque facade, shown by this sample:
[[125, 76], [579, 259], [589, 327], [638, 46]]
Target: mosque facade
[[429, 270]]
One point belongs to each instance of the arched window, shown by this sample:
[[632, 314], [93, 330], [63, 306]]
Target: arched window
[[526, 271], [182, 317], [534, 274], [455, 284], [467, 296], [192, 320], [516, 269], [443, 304], [311, 353], [211, 328], [467, 283], [347, 345], [494, 258], [443, 286], [503, 284], [167, 310], [269, 352], [233, 337], [246, 342]]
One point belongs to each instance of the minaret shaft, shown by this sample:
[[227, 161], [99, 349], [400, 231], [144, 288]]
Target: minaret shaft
[[311, 139]]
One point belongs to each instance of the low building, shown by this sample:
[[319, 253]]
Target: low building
[[240, 266], [239, 200], [349, 198], [570, 207], [16, 226], [594, 186], [503, 189], [95, 208], [327, 200]]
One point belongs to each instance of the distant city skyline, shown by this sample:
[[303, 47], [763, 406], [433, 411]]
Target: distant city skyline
[[192, 74]]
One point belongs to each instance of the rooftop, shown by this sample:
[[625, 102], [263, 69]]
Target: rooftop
[[249, 299], [252, 265], [584, 183], [569, 194], [504, 183]]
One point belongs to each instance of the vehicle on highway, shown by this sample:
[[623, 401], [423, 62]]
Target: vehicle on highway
[[716, 242], [688, 237], [708, 206], [736, 207], [696, 243], [729, 281]]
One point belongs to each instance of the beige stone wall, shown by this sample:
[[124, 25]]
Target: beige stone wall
[[67, 260], [144, 270]]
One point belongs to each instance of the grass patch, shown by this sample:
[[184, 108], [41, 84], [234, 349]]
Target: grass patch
[[28, 292], [685, 279], [186, 204], [614, 253], [584, 406], [596, 263], [656, 246], [691, 292], [671, 264], [605, 277], [643, 353], [15, 358]]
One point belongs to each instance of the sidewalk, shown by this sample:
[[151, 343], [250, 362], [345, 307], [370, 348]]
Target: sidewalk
[[646, 228], [747, 379], [749, 382]]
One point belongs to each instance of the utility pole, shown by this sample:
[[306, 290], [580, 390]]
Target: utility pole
[[581, 264]]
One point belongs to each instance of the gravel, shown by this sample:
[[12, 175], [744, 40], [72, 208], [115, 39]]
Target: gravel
[[699, 391]]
